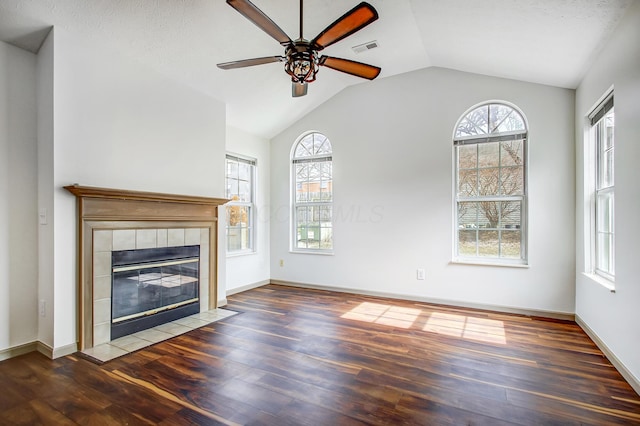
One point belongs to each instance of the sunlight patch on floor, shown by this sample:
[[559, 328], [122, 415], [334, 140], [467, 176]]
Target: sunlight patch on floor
[[454, 325], [482, 329], [378, 313]]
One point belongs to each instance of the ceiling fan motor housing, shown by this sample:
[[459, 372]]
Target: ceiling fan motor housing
[[302, 62]]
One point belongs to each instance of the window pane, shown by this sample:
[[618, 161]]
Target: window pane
[[511, 181], [467, 242], [234, 242], [326, 237], [504, 119], [488, 243], [304, 147], [232, 189], [488, 154], [606, 169], [468, 156], [605, 252], [244, 191], [511, 153], [321, 144], [244, 171], [488, 181], [232, 169], [604, 212], [488, 214], [468, 183], [238, 216], [510, 214], [510, 244], [475, 123], [467, 215]]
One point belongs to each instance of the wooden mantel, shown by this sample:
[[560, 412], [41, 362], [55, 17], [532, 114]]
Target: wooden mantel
[[113, 209], [122, 194]]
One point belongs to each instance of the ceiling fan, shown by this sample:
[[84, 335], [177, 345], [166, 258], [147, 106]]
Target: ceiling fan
[[301, 57]]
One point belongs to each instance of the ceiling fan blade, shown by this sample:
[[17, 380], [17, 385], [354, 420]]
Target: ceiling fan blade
[[250, 62], [262, 21], [298, 89], [352, 21], [351, 67]]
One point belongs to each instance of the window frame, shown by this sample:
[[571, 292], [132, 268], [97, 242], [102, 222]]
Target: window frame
[[522, 198], [597, 134], [250, 205], [295, 203]]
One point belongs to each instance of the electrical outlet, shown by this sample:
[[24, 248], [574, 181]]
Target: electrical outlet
[[43, 308], [420, 274], [281, 263]]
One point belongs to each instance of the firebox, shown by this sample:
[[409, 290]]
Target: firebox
[[153, 286]]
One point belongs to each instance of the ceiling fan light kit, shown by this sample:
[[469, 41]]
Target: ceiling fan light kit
[[301, 58]]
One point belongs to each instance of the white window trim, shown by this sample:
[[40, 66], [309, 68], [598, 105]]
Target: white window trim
[[524, 226], [252, 205], [294, 203], [591, 176]]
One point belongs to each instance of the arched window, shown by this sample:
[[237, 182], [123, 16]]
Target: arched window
[[312, 186], [490, 200]]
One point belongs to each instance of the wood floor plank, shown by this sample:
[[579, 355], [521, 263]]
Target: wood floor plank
[[296, 356]]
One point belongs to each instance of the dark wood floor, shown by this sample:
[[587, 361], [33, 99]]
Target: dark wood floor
[[297, 356]]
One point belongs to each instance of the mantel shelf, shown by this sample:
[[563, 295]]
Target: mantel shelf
[[121, 194]]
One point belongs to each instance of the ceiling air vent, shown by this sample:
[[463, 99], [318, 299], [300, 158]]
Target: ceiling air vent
[[365, 46]]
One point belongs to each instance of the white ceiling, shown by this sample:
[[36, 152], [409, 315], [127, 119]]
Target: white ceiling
[[543, 41]]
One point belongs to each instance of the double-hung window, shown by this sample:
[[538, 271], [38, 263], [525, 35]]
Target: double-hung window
[[312, 194], [240, 225], [490, 195], [603, 236]]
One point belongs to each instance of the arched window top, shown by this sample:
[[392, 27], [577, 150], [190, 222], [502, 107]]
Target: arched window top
[[312, 145], [490, 120]]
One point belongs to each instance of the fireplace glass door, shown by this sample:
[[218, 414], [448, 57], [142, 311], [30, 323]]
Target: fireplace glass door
[[153, 286], [144, 289]]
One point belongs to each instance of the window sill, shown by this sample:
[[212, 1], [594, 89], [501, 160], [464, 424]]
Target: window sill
[[241, 253], [608, 284], [488, 263], [322, 253]]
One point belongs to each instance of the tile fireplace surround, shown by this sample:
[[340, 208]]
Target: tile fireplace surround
[[110, 220]]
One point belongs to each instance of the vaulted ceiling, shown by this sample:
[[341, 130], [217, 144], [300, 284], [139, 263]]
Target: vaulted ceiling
[[542, 41]]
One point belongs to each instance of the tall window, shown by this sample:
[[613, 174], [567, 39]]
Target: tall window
[[490, 201], [602, 130], [312, 172], [240, 180]]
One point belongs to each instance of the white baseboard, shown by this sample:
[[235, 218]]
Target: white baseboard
[[38, 346], [65, 350], [622, 369], [17, 350], [248, 287], [506, 309]]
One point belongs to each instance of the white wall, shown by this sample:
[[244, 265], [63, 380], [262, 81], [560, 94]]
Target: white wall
[[118, 124], [614, 317], [393, 211], [18, 200], [253, 269]]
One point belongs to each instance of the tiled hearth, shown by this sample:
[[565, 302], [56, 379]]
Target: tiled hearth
[[142, 339]]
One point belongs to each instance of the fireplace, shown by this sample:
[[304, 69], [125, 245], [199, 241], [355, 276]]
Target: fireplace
[[154, 248], [153, 286]]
